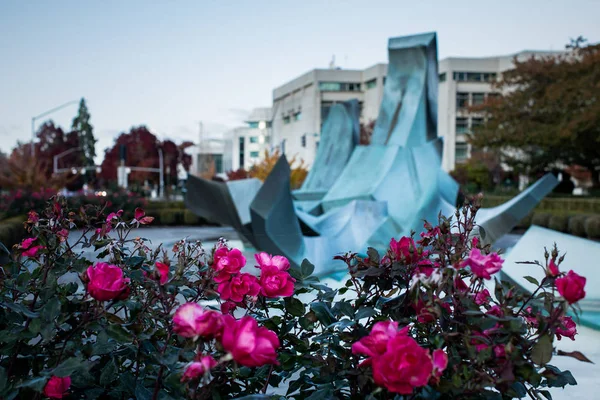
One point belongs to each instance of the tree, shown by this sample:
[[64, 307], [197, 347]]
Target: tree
[[262, 169], [81, 125], [548, 114], [142, 150]]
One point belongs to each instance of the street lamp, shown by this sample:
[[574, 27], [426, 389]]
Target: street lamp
[[64, 153], [43, 115]]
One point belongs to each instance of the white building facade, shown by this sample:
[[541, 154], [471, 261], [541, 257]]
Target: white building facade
[[245, 146], [466, 82], [300, 106]]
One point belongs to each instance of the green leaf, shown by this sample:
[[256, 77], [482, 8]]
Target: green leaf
[[67, 367], [373, 255], [109, 373], [531, 279], [20, 308], [545, 393], [3, 248], [345, 308], [135, 261], [323, 313], [118, 333], [541, 353], [142, 393], [2, 379], [51, 310], [307, 268], [365, 312], [36, 384], [294, 306], [519, 389], [103, 344]]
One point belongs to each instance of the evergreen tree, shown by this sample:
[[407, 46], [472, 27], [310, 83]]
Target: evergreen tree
[[81, 125]]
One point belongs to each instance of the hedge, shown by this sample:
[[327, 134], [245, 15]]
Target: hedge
[[575, 224], [581, 205], [12, 231]]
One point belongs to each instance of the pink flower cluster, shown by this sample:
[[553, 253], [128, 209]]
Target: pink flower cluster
[[56, 387], [247, 343], [28, 249], [398, 362], [274, 281]]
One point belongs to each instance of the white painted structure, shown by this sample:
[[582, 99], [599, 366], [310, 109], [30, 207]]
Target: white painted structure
[[301, 105], [246, 145], [208, 151]]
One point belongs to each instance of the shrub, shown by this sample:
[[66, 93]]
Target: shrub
[[577, 225], [541, 219], [171, 217], [416, 320], [592, 227], [558, 223], [525, 222], [11, 231], [189, 218]]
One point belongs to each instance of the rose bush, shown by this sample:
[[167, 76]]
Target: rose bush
[[428, 319]]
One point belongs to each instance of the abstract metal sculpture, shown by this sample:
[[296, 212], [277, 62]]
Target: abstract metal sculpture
[[346, 206]]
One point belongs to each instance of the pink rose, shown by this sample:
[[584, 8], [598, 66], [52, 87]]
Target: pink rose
[[106, 282], [405, 248], [26, 243], [440, 362], [191, 321], [553, 268], [239, 286], [425, 314], [249, 344], [114, 215], [33, 217], [227, 262], [483, 266], [140, 216], [496, 311], [228, 307], [500, 351], [460, 285], [62, 234], [29, 250], [265, 260], [567, 328], [571, 287], [404, 366], [482, 297], [425, 267], [276, 283], [56, 387], [198, 368], [163, 272], [375, 343]]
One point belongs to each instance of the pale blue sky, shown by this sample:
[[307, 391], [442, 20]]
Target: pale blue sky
[[171, 64]]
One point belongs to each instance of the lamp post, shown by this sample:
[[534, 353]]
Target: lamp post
[[43, 115]]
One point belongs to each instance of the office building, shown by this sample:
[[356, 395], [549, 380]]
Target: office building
[[246, 145], [300, 106]]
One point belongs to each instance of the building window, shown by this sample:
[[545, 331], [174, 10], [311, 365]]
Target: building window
[[489, 76], [253, 139], [442, 77], [286, 119], [218, 158], [339, 87], [462, 100], [254, 154], [371, 84], [303, 140], [241, 152], [298, 116], [461, 151], [462, 125], [478, 99], [474, 76], [253, 124]]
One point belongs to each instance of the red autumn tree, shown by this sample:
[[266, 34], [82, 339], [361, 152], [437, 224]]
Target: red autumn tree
[[142, 150]]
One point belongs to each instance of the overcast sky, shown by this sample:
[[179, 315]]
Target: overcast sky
[[171, 64]]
